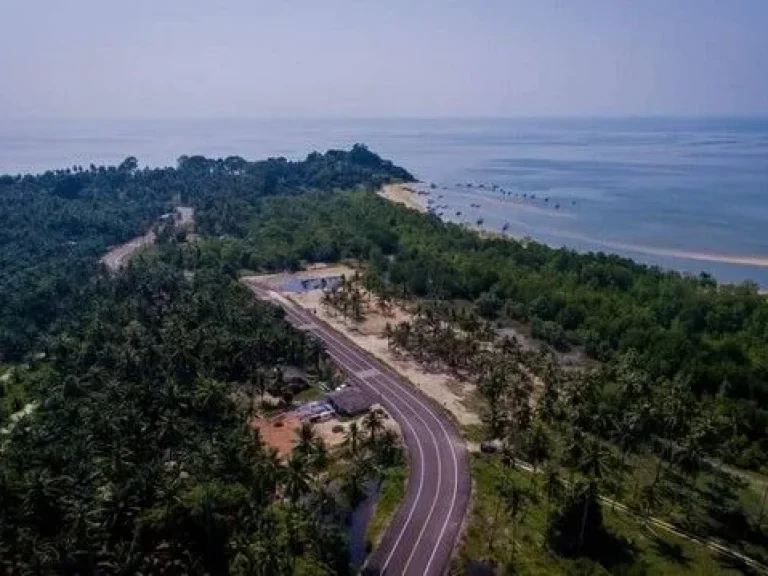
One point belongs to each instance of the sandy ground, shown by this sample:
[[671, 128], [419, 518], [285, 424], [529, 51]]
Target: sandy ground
[[404, 194], [368, 334], [280, 432]]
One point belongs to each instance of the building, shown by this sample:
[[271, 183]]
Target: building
[[350, 401]]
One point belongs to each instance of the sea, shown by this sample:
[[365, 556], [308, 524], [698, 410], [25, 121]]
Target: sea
[[689, 194]]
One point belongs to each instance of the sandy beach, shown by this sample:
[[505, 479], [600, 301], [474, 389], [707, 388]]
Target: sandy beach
[[404, 194], [746, 260]]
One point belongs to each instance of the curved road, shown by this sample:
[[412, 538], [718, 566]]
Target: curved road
[[422, 535]]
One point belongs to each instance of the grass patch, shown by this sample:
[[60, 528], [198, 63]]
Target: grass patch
[[635, 549], [13, 392], [309, 394], [392, 494], [474, 432]]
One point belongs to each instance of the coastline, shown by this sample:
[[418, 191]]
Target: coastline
[[409, 197], [404, 194]]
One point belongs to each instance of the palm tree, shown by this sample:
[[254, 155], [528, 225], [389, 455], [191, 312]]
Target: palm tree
[[374, 423], [574, 452], [319, 454], [691, 456], [352, 438], [389, 334], [595, 461], [515, 502], [306, 437], [553, 487], [297, 480], [356, 305], [259, 383], [383, 303], [537, 450], [271, 471], [492, 389], [388, 449], [358, 473]]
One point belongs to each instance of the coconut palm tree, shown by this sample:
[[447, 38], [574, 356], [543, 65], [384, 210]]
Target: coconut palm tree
[[388, 450], [537, 449], [374, 423], [553, 488], [516, 500], [320, 456], [297, 479], [389, 334], [357, 474], [306, 437], [353, 440]]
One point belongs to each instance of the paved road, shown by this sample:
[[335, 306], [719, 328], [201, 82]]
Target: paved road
[[119, 256], [421, 537]]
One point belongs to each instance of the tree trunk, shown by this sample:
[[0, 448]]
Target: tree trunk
[[762, 506], [514, 542], [492, 535], [583, 523]]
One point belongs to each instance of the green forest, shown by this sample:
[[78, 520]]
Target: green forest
[[715, 337], [56, 225], [133, 455]]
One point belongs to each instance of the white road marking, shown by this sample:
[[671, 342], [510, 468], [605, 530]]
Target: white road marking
[[371, 373], [351, 351], [341, 342]]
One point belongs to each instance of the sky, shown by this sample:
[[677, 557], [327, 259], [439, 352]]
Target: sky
[[382, 58]]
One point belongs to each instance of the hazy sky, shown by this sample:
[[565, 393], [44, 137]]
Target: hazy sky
[[370, 58]]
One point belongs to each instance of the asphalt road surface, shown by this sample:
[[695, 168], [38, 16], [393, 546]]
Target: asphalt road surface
[[421, 537]]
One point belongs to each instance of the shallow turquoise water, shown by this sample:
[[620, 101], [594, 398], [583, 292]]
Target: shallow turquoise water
[[646, 188]]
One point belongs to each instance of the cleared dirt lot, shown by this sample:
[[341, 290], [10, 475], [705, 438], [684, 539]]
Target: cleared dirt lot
[[279, 432]]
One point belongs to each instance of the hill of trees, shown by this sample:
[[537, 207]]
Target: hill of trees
[[137, 458], [134, 455], [130, 449], [56, 225]]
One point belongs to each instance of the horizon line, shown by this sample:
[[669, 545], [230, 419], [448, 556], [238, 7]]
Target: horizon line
[[283, 118]]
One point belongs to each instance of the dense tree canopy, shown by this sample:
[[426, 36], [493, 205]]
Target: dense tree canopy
[[716, 334], [133, 454], [56, 225], [137, 458]]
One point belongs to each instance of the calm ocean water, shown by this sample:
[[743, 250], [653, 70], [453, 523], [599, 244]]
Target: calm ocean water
[[682, 193]]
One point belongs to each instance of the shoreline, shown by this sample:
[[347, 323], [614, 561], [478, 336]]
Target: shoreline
[[406, 195]]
